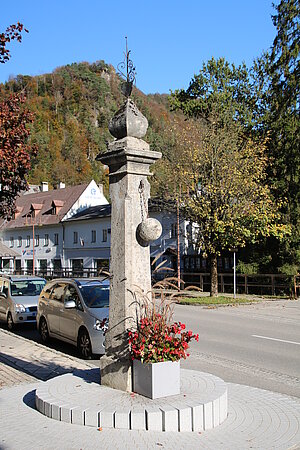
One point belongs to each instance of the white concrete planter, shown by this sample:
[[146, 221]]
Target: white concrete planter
[[156, 380]]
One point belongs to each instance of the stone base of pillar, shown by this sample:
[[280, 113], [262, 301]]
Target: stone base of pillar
[[115, 373]]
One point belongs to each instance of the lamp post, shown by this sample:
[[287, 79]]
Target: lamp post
[[234, 250], [234, 276], [33, 255]]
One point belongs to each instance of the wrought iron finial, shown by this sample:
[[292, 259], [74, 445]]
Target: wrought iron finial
[[128, 67]]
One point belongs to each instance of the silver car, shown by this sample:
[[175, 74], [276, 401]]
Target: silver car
[[75, 311], [19, 298]]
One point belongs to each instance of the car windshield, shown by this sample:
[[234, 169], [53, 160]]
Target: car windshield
[[95, 296], [25, 288]]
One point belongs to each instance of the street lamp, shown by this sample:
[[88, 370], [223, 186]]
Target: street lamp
[[234, 250], [234, 272]]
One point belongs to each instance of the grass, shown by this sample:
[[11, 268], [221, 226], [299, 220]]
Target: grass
[[220, 300]]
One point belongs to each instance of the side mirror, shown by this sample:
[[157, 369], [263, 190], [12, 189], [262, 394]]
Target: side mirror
[[70, 304]]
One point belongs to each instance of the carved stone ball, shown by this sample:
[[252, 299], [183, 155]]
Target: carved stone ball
[[128, 121], [149, 230]]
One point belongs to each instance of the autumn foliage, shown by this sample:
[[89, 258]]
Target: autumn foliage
[[15, 150], [13, 32]]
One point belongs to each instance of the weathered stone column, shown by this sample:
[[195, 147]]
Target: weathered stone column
[[129, 159]]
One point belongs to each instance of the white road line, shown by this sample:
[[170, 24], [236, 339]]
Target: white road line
[[274, 339]]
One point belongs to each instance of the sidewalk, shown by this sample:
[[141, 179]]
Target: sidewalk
[[258, 419]]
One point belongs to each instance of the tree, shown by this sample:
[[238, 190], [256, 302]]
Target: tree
[[223, 190], [13, 32], [15, 149], [222, 164], [281, 68]]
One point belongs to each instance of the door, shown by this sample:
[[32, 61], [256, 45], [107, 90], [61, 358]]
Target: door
[[55, 307], [18, 269], [70, 319], [2, 301]]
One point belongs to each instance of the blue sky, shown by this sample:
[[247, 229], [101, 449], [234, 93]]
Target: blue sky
[[169, 39]]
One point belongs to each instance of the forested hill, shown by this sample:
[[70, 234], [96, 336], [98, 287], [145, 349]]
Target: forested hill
[[72, 108]]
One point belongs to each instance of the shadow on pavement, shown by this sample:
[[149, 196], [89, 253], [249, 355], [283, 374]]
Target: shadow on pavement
[[29, 399]]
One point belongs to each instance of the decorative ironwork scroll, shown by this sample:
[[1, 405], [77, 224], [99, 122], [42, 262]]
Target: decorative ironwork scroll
[[126, 70]]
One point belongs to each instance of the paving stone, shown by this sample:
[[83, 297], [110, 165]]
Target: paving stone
[[107, 418], [122, 419], [169, 418], [208, 416], [154, 418], [91, 417], [257, 419], [138, 419]]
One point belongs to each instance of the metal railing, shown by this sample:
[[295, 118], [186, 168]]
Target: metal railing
[[258, 284]]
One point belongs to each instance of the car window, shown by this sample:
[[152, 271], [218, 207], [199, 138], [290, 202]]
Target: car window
[[95, 296], [28, 288], [57, 292], [47, 290], [5, 288], [72, 294]]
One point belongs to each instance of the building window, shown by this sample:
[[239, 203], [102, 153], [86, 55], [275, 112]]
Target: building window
[[104, 235], [75, 237], [174, 230], [37, 240], [93, 236], [19, 241], [55, 238], [57, 266], [46, 240], [11, 242], [77, 267], [43, 266], [29, 266], [27, 241]]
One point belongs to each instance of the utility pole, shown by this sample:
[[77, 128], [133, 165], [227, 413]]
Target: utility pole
[[33, 260], [178, 247]]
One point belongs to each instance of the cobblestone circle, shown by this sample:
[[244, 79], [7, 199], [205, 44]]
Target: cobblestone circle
[[257, 419], [201, 405]]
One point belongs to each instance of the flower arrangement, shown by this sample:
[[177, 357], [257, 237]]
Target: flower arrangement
[[157, 341], [156, 338]]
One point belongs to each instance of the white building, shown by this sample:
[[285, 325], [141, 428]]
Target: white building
[[36, 232], [67, 231]]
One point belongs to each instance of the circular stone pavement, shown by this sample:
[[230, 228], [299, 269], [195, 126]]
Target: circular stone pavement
[[78, 398]]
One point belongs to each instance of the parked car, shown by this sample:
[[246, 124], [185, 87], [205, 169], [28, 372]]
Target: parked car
[[19, 298], [75, 311]]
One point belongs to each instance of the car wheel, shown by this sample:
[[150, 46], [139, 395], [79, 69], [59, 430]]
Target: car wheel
[[44, 332], [9, 322], [84, 345]]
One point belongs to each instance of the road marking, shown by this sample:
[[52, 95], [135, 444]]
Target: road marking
[[274, 339]]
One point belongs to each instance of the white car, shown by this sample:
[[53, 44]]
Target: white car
[[19, 298], [75, 311]]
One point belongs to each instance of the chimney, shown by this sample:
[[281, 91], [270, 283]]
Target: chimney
[[61, 185], [44, 186]]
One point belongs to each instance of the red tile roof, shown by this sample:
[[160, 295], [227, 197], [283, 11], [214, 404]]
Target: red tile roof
[[65, 198]]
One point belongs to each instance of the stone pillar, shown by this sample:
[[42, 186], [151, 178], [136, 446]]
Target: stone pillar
[[129, 159]]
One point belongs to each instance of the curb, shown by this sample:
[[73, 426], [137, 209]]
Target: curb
[[52, 350]]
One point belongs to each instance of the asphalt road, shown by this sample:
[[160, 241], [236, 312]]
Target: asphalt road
[[255, 345]]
